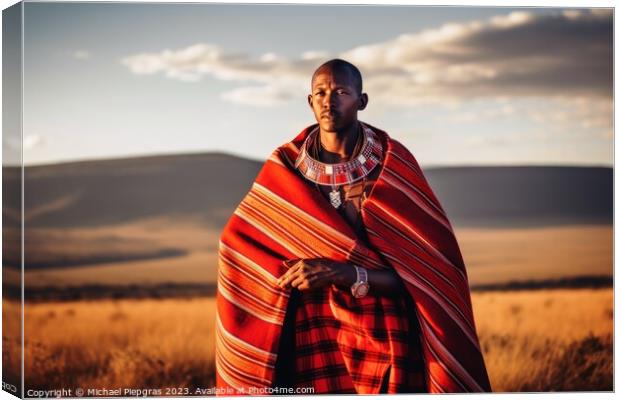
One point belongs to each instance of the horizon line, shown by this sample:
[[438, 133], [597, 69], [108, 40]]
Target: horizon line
[[232, 154]]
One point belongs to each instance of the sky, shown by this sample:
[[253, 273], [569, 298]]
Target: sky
[[456, 85]]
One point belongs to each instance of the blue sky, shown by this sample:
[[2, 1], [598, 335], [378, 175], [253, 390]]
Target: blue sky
[[457, 85]]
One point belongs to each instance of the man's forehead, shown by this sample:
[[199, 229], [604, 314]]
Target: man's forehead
[[337, 78]]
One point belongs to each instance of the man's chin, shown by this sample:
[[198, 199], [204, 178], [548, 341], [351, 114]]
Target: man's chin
[[327, 125]]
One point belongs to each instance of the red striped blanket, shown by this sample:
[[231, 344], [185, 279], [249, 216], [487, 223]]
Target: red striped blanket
[[283, 217]]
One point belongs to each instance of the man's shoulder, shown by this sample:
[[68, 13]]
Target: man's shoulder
[[386, 138], [401, 152]]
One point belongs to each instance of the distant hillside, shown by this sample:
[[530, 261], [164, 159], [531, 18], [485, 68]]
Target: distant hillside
[[209, 186], [105, 192], [524, 196]]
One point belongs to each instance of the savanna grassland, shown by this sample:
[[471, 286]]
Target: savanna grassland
[[539, 340], [547, 340]]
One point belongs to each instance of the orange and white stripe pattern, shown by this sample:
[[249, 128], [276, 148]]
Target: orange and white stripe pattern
[[283, 217]]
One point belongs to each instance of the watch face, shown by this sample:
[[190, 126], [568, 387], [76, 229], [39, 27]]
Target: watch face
[[361, 289]]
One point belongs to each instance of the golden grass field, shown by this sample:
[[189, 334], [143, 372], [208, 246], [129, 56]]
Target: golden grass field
[[546, 340]]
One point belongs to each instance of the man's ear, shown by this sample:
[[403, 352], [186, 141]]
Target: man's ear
[[363, 101], [310, 100]]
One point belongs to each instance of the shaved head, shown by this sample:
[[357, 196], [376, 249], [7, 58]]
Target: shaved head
[[340, 65]]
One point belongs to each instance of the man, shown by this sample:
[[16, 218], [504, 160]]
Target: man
[[339, 271]]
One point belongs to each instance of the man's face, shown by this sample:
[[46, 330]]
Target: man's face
[[334, 99]]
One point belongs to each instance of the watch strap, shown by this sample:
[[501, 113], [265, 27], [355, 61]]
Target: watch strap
[[362, 275], [361, 282]]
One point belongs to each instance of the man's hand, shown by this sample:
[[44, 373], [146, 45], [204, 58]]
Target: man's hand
[[316, 273]]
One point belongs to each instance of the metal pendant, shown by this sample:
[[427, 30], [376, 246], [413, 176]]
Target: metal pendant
[[334, 198]]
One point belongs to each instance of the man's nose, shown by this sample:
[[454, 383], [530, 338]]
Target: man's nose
[[329, 101]]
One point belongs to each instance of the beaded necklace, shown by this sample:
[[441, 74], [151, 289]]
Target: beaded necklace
[[338, 174]]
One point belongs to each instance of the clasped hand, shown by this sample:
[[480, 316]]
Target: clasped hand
[[315, 273]]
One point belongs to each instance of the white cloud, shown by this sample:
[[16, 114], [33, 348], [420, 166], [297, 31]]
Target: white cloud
[[31, 141], [581, 116], [261, 96], [512, 20], [498, 111], [203, 59], [572, 14], [519, 54], [314, 55], [14, 142], [507, 138]]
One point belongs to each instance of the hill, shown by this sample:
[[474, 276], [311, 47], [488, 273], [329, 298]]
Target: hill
[[209, 186]]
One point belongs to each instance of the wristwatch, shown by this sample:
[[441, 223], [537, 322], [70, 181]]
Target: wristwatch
[[360, 287]]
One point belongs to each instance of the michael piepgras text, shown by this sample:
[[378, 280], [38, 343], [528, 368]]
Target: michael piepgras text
[[170, 391], [125, 392]]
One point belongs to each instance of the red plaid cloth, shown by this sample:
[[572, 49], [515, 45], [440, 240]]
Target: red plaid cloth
[[282, 218], [309, 355]]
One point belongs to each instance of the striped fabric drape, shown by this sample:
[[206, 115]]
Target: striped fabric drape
[[283, 217]]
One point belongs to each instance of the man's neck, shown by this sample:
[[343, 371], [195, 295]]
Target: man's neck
[[340, 143]]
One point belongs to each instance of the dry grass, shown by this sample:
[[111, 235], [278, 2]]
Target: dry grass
[[547, 340], [128, 344], [533, 341], [11, 342]]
